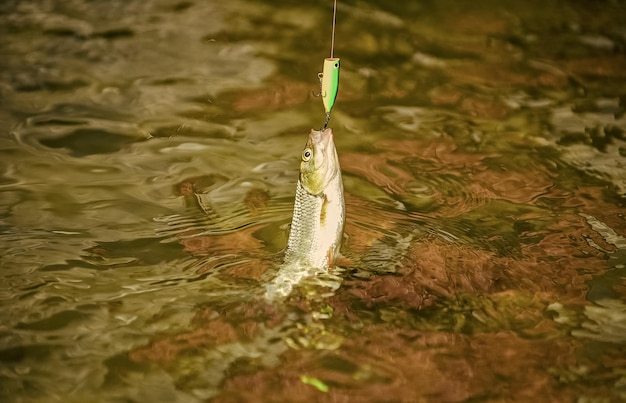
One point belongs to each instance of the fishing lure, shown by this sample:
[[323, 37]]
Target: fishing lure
[[329, 84]]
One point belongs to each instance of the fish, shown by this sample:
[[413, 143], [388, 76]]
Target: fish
[[316, 230], [319, 210]]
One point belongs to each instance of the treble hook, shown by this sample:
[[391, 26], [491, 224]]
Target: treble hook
[[319, 94]]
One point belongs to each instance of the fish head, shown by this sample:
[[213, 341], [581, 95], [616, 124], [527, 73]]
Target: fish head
[[319, 161]]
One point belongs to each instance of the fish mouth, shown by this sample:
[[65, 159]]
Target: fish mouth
[[324, 146], [322, 137], [328, 133]]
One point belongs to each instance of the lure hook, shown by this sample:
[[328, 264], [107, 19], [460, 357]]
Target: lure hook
[[319, 94]]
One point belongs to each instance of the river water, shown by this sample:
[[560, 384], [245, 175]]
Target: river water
[[149, 160]]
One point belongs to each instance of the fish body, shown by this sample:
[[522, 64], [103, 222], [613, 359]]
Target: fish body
[[318, 215], [319, 211]]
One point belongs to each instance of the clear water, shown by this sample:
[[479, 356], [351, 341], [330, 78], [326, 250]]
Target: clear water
[[149, 159]]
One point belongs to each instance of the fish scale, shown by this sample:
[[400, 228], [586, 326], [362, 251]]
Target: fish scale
[[302, 237], [315, 233]]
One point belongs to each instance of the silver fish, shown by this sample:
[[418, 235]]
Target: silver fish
[[318, 215]]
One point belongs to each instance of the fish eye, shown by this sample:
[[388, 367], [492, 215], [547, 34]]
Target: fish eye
[[306, 155]]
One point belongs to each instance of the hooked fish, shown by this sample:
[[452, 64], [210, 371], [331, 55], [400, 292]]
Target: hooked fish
[[318, 215]]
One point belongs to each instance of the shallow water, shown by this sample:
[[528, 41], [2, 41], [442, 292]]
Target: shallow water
[[149, 160]]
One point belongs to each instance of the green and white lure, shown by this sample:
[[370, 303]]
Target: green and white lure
[[329, 84], [329, 78]]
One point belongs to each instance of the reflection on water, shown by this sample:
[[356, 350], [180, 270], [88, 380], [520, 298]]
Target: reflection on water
[[149, 160]]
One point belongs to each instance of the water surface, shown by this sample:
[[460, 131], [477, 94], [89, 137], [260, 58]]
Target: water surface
[[149, 160]]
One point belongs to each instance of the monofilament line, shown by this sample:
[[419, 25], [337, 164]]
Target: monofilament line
[[332, 38]]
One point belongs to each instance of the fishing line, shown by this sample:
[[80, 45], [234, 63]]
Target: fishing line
[[329, 78], [332, 37]]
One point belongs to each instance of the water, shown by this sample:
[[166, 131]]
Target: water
[[149, 161]]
